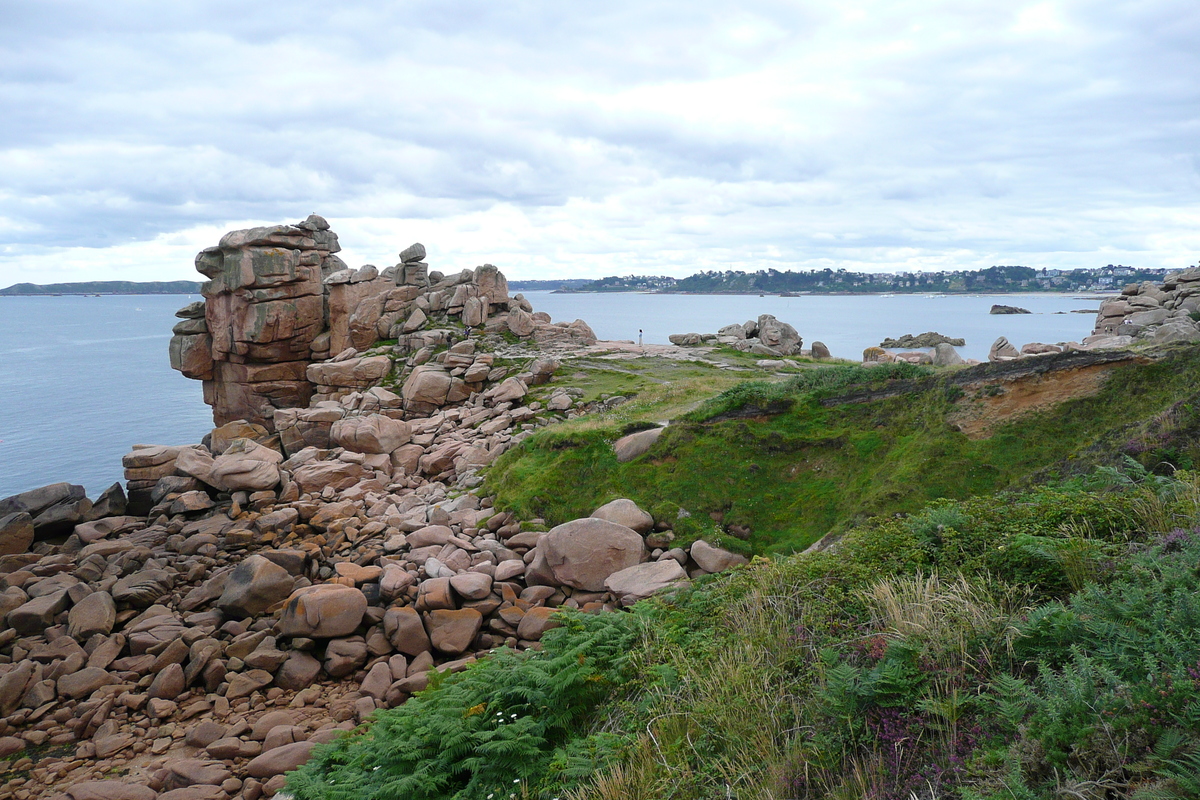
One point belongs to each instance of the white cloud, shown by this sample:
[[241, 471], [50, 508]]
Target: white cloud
[[597, 138]]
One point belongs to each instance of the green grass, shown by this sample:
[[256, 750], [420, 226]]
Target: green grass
[[794, 476], [952, 649]]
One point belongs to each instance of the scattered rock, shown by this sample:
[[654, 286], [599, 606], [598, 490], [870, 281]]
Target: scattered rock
[[643, 580], [536, 622], [452, 631], [254, 586], [630, 447], [280, 760], [110, 790], [714, 559], [373, 433], [405, 630], [944, 355], [16, 533], [323, 611], [80, 684], [94, 614], [1002, 351]]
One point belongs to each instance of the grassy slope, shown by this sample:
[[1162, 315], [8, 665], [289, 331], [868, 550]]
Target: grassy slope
[[795, 476], [1064, 662]]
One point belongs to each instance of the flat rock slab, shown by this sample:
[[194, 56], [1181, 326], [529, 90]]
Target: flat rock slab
[[280, 760], [643, 580], [110, 790]]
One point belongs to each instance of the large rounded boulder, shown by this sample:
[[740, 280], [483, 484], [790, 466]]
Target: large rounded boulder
[[323, 611], [584, 552], [373, 433]]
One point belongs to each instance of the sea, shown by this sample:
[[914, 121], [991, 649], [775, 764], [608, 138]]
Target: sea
[[83, 379]]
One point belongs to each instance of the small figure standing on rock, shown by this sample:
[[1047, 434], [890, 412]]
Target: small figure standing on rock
[[642, 346]]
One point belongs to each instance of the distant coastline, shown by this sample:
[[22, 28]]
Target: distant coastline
[[1104, 292], [992, 280], [101, 288]]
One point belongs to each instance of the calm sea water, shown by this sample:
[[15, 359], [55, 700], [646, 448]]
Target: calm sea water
[[82, 379], [847, 325]]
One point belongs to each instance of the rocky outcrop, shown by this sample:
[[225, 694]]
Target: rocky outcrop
[[1002, 309], [1164, 313], [265, 306], [922, 340], [765, 336]]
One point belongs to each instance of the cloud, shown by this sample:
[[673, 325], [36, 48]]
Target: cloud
[[597, 138]]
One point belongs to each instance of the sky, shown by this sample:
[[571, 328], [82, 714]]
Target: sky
[[586, 139]]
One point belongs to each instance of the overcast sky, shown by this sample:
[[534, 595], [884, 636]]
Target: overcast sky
[[582, 139]]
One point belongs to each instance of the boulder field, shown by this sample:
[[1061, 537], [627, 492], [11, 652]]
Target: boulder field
[[193, 634]]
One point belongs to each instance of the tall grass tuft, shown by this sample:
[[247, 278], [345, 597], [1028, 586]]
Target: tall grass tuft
[[951, 620]]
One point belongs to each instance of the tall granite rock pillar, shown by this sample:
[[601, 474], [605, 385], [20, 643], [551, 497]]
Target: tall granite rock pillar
[[264, 305]]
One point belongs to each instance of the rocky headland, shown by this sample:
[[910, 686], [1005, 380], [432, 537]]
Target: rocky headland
[[196, 632]]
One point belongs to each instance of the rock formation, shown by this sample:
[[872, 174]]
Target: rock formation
[[765, 336], [280, 303], [1002, 309], [265, 307]]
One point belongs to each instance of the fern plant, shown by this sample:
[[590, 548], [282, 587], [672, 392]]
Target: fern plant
[[494, 726], [1177, 774]]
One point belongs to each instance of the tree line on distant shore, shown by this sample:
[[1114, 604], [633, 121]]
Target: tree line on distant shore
[[102, 287], [992, 279]]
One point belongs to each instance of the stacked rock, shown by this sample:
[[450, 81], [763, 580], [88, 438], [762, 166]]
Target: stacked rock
[[264, 305], [280, 304]]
